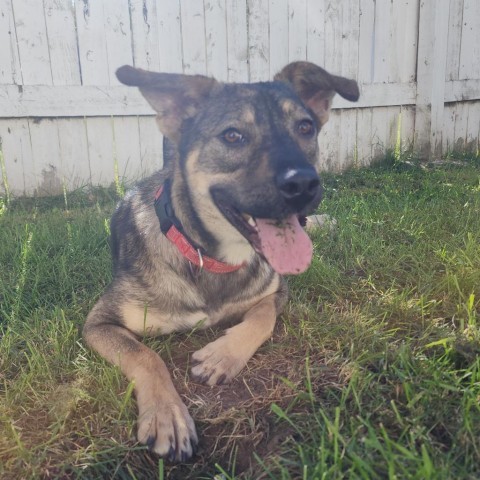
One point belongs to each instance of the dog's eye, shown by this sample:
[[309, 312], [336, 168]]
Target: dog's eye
[[305, 127], [232, 135]]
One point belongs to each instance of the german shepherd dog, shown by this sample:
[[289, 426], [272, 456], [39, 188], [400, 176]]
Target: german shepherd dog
[[207, 238]]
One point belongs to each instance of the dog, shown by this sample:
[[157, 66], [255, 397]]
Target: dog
[[208, 238]]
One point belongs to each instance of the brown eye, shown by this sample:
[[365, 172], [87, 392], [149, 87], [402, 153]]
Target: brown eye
[[305, 127], [232, 135]]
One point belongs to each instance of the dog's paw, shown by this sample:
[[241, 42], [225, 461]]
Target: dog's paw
[[215, 363], [168, 430]]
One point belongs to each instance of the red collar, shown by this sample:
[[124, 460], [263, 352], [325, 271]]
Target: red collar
[[173, 230]]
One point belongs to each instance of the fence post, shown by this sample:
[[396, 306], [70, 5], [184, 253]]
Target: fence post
[[431, 68]]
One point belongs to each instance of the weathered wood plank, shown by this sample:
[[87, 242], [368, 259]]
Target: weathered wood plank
[[473, 126], [258, 41], [350, 38], [72, 135], [237, 41], [454, 39], [364, 136], [329, 139], [117, 36], [333, 36], [278, 33], [9, 62], [448, 137], [32, 42], [366, 41], [17, 153], [315, 31], [170, 36], [145, 43], [216, 39], [347, 146], [382, 42], [101, 150], [459, 90], [62, 42], [193, 37], [470, 48], [151, 145], [297, 30], [92, 43], [127, 152]]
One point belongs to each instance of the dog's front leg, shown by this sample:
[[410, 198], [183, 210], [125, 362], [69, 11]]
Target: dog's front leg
[[164, 423], [221, 360]]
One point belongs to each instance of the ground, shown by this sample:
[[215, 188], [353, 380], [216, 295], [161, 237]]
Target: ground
[[373, 371]]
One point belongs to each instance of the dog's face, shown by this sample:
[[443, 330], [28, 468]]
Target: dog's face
[[248, 155]]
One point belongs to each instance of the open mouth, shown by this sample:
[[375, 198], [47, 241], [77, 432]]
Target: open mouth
[[283, 243]]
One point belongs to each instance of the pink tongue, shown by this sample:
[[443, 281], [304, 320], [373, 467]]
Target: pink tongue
[[285, 245]]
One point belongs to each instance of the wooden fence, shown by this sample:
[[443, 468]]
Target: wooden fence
[[65, 121]]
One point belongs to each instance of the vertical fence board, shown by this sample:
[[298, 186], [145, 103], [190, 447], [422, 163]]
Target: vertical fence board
[[347, 147], [315, 31], [144, 24], [101, 149], [258, 41], [448, 137], [193, 37], [117, 36], [32, 42], [408, 127], [92, 46], [127, 151], [72, 135], [461, 123], [62, 42], [9, 61], [382, 42], [350, 39], [329, 142], [151, 145], [170, 36], [366, 41], [470, 47], [297, 30], [471, 137], [454, 39], [278, 35], [237, 40], [216, 39], [333, 36], [364, 135]]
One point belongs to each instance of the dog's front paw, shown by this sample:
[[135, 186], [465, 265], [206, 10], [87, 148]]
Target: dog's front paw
[[216, 364], [168, 430]]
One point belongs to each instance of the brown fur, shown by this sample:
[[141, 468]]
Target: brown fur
[[155, 290]]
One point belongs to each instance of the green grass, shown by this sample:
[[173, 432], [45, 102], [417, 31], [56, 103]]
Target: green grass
[[373, 371]]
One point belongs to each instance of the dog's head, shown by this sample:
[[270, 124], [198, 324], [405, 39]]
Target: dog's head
[[247, 155]]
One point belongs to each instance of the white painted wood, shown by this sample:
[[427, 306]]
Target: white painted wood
[[380, 132], [382, 41], [350, 39], [432, 53], [473, 126], [408, 127], [32, 42], [347, 146], [17, 153], [315, 31], [46, 156], [278, 35], [366, 42], [151, 145], [448, 137], [237, 40], [329, 140], [144, 26], [461, 125], [297, 30], [101, 150], [364, 137], [454, 39], [127, 148], [92, 42], [72, 135], [404, 37], [216, 39], [9, 61], [333, 36], [458, 90], [193, 37], [258, 40], [116, 17], [62, 42], [169, 36], [470, 48]]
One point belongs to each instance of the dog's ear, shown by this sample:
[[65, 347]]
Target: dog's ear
[[316, 87], [175, 97]]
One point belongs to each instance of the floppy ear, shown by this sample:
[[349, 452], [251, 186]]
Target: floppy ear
[[173, 96], [316, 87]]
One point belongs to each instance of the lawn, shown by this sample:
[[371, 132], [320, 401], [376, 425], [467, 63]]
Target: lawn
[[373, 371]]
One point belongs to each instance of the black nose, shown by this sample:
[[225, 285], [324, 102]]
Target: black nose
[[298, 186]]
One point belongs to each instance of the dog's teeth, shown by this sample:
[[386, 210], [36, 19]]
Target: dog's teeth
[[252, 222]]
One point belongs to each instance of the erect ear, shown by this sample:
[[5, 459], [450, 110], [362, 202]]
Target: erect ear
[[175, 97], [316, 87]]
